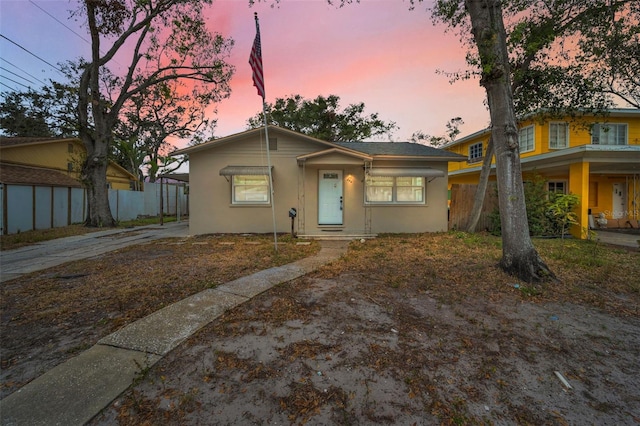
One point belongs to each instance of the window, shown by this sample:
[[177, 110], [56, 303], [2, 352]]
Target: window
[[475, 153], [70, 148], [395, 190], [250, 189], [609, 134], [273, 144], [558, 135], [557, 187], [525, 139]]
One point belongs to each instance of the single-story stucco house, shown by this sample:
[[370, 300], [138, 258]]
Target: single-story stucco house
[[336, 189]]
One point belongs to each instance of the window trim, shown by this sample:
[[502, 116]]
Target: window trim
[[533, 139], [477, 158], [394, 192], [235, 202], [564, 183], [616, 125], [566, 140]]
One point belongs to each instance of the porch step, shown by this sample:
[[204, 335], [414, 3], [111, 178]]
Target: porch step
[[337, 237]]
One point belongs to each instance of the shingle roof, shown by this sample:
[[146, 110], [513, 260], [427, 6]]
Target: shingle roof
[[26, 175], [396, 148], [6, 141]]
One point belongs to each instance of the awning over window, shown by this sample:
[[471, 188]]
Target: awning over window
[[245, 170], [405, 171]]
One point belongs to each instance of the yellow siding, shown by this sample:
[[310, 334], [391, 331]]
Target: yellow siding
[[595, 189], [66, 156]]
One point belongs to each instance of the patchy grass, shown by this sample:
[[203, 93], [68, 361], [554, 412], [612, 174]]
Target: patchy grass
[[413, 329], [402, 329], [455, 266], [69, 307], [21, 239]]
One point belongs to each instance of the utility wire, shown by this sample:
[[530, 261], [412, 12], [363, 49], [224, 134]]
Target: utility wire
[[60, 22], [13, 81], [31, 53], [17, 75], [24, 71], [69, 28]]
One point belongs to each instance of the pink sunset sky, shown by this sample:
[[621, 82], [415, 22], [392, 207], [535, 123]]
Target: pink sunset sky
[[378, 52]]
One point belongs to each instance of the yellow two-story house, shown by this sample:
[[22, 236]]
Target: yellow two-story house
[[60, 155], [596, 158]]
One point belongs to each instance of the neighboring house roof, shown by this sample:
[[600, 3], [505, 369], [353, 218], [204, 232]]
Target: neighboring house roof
[[6, 141], [27, 175], [373, 149]]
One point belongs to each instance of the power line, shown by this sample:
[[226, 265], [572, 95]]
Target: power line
[[17, 75], [31, 53], [69, 28], [60, 22], [13, 81], [24, 71]]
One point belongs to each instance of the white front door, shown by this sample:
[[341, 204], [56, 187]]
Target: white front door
[[619, 201], [330, 197]]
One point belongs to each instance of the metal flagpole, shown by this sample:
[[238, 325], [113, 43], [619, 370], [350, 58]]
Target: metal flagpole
[[273, 201], [255, 60]]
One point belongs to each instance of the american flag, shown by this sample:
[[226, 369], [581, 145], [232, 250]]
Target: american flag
[[255, 60]]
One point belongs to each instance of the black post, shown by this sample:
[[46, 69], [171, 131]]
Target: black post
[[292, 214]]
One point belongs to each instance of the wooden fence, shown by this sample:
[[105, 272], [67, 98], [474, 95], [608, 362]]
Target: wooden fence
[[462, 204]]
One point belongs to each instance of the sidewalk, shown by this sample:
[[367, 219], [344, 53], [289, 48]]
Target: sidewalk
[[618, 238], [75, 391]]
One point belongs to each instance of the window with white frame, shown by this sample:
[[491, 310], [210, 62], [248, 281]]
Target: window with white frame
[[250, 189], [395, 190], [525, 139], [557, 187], [609, 134], [558, 135], [475, 152]]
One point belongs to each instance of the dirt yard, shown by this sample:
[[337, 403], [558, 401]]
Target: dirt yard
[[410, 330]]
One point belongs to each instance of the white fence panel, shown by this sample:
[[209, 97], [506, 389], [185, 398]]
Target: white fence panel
[[19, 209], [2, 189], [152, 199], [78, 204], [126, 205], [43, 207], [61, 206]]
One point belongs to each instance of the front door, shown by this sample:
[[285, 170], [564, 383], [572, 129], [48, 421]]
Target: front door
[[330, 197], [619, 201]]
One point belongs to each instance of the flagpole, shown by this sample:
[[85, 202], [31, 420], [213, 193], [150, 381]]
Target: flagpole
[[273, 200], [255, 60]]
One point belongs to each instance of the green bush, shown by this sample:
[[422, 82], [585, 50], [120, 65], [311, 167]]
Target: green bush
[[548, 213]]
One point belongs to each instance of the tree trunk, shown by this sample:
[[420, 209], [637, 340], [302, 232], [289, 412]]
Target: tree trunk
[[519, 256], [94, 173], [481, 191], [97, 141]]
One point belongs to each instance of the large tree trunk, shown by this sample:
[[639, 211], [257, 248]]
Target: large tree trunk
[[519, 256], [481, 191], [97, 141], [94, 174]]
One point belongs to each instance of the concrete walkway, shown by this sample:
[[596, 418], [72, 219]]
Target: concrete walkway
[[35, 257], [618, 238], [75, 391]]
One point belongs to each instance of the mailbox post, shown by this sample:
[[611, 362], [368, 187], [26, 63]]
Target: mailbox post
[[292, 214]]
